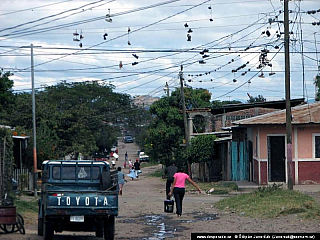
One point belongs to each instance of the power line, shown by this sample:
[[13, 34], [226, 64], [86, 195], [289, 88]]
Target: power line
[[27, 9], [50, 16]]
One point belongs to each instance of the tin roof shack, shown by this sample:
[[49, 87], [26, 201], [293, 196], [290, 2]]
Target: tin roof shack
[[224, 116], [267, 134]]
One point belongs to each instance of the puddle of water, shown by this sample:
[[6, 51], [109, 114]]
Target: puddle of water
[[153, 219], [187, 221], [167, 228], [163, 230], [126, 221], [207, 217]]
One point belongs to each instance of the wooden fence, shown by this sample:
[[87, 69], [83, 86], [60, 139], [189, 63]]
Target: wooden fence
[[22, 176]]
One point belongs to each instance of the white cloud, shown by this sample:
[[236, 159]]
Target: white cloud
[[228, 18]]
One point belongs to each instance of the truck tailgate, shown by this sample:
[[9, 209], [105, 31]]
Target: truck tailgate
[[83, 202]]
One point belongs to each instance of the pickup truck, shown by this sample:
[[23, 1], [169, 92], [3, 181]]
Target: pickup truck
[[78, 196]]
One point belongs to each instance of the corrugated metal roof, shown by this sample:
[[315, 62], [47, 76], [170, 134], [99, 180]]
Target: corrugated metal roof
[[223, 139], [302, 114]]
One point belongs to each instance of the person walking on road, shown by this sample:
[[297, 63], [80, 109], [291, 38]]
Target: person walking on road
[[130, 164], [169, 172], [113, 162], [121, 180], [137, 167], [178, 188]]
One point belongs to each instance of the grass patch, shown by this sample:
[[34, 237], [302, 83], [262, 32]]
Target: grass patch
[[272, 202], [148, 164], [24, 205], [157, 173], [215, 188]]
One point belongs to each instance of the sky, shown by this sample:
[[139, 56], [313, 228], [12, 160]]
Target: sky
[[235, 47]]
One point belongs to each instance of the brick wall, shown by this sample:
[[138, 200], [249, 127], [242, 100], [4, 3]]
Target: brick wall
[[238, 115]]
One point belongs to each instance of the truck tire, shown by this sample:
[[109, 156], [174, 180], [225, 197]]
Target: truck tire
[[109, 228], [105, 180], [40, 226], [48, 231]]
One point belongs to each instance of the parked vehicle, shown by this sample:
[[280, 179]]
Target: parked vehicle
[[143, 157], [78, 196], [128, 139]]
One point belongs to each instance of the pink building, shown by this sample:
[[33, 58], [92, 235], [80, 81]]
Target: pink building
[[269, 149]]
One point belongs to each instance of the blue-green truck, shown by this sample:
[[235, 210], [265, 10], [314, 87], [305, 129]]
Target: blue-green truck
[[78, 196]]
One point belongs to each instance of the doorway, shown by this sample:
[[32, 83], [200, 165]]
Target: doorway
[[276, 158]]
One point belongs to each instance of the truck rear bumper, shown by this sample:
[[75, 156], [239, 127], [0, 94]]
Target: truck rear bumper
[[93, 212], [62, 223]]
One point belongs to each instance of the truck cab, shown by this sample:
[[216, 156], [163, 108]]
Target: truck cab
[[78, 196]]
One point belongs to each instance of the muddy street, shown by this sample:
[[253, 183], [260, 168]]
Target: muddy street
[[142, 216]]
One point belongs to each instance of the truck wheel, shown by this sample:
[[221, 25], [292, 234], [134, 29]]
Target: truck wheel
[[40, 226], [109, 228], [48, 231], [106, 180], [8, 228], [99, 233]]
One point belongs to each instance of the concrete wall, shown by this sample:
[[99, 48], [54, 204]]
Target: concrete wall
[[306, 168]]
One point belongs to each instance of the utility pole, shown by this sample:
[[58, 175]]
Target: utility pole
[[287, 89], [34, 126], [35, 173], [186, 132]]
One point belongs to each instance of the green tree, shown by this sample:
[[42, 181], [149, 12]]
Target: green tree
[[201, 150], [166, 132], [6, 95], [219, 104], [6, 160], [73, 118]]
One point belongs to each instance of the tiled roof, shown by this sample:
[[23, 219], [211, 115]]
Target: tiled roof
[[302, 114]]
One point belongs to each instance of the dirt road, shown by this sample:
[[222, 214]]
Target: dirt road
[[141, 214]]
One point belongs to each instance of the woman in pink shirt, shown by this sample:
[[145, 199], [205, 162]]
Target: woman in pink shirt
[[178, 188]]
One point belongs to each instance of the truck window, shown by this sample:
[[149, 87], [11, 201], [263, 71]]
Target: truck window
[[56, 173], [69, 173], [95, 173]]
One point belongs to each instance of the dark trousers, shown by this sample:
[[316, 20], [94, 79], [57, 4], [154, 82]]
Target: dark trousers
[[168, 186], [178, 194]]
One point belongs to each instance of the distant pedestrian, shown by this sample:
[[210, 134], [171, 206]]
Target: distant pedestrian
[[130, 164], [132, 173], [124, 164], [178, 188], [121, 180], [169, 172], [137, 167], [113, 162], [126, 156]]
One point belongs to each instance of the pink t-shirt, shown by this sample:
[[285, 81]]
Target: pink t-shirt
[[181, 179]]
